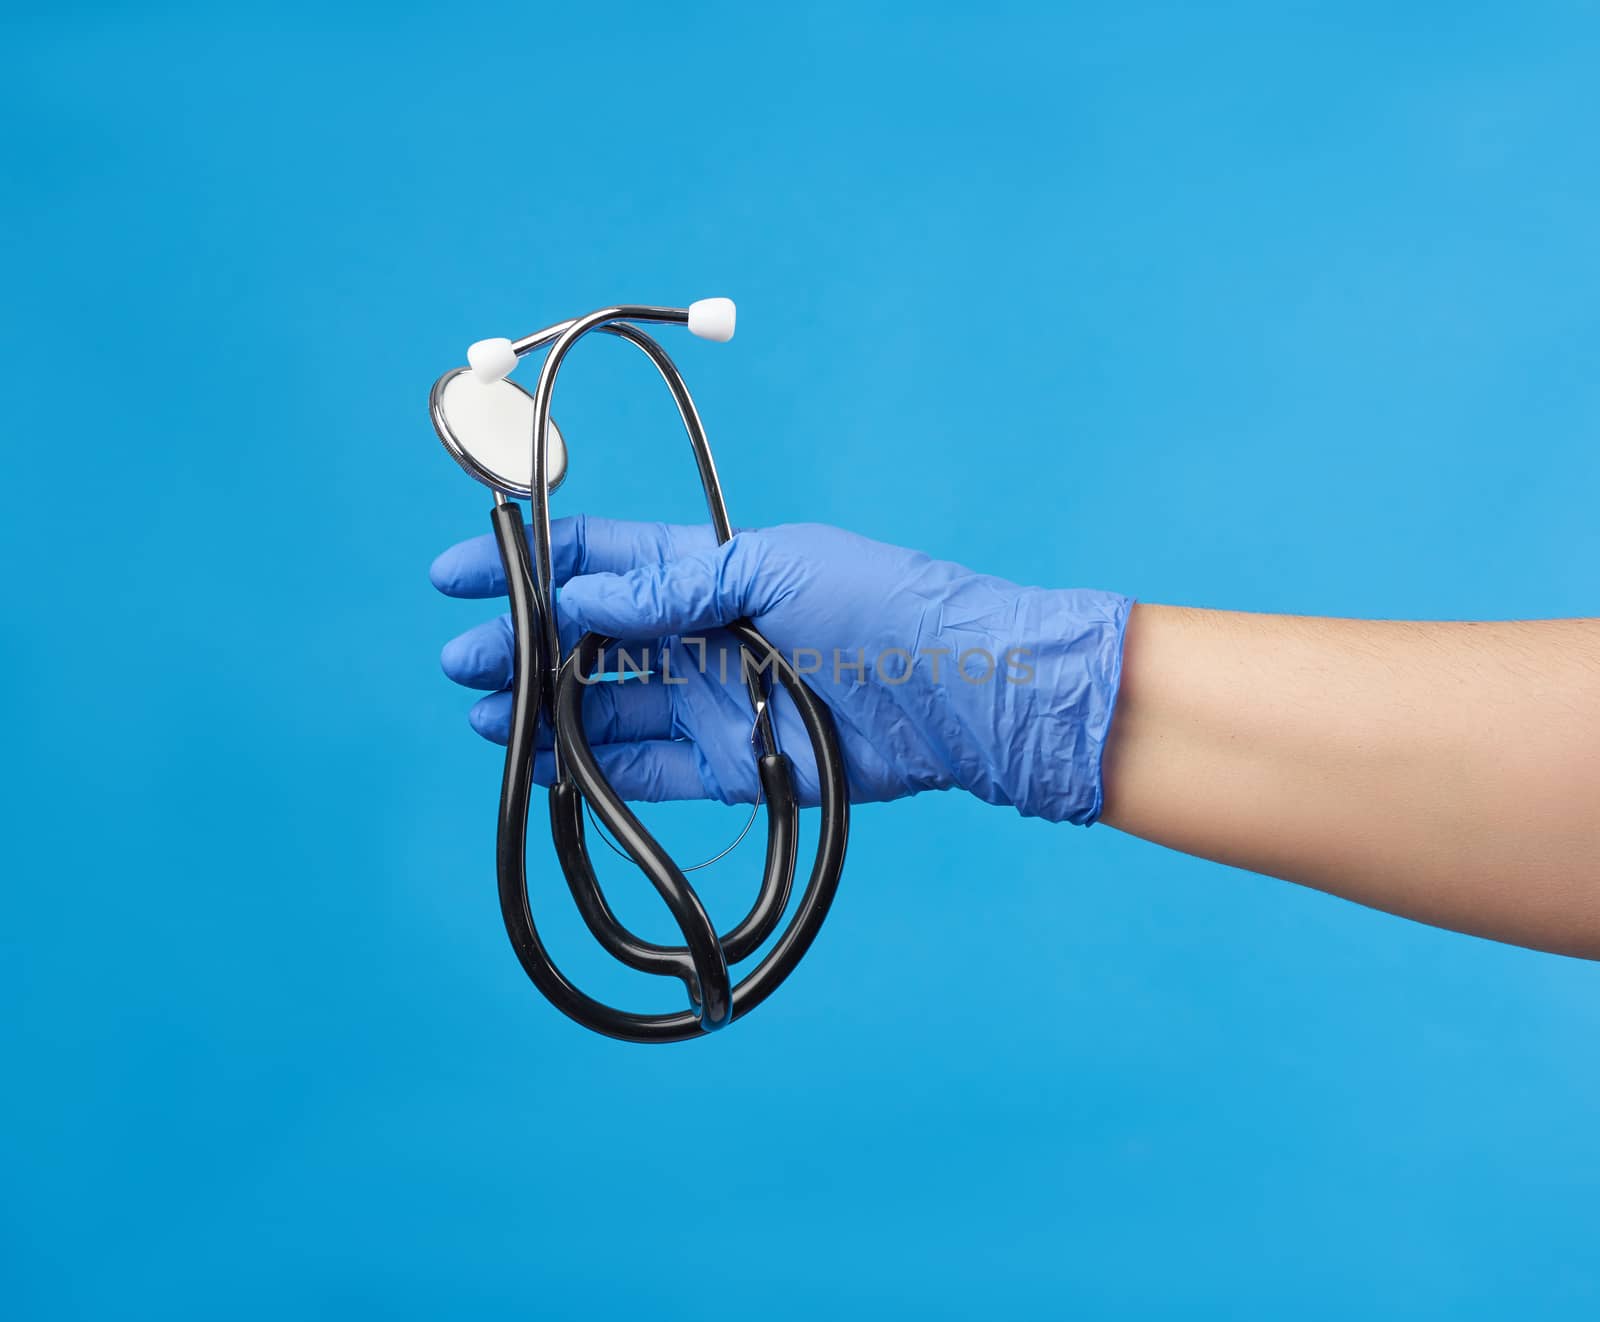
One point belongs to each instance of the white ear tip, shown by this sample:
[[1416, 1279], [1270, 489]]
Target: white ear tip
[[491, 360], [712, 319]]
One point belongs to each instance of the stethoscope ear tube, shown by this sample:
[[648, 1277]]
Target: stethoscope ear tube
[[702, 961], [710, 987], [530, 681]]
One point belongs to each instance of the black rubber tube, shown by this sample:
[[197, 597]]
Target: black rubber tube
[[740, 941], [535, 691], [710, 966]]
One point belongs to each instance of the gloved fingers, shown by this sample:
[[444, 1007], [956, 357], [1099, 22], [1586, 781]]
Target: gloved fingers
[[481, 658], [592, 545], [470, 569], [698, 591], [491, 717], [579, 544], [652, 771], [613, 713]]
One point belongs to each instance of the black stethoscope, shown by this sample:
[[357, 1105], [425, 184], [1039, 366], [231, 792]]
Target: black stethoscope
[[505, 438]]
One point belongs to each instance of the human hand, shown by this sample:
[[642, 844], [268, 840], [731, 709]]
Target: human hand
[[937, 677]]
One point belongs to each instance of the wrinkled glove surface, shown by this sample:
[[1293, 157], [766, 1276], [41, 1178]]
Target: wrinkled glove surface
[[937, 677]]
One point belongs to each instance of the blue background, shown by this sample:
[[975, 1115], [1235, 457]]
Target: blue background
[[1286, 308]]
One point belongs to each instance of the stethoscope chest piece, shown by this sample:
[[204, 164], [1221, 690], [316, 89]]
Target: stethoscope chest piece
[[486, 426], [505, 438]]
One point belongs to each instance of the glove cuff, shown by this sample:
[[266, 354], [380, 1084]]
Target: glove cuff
[[1050, 765]]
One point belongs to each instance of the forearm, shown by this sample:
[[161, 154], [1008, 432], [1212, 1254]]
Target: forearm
[[1447, 772]]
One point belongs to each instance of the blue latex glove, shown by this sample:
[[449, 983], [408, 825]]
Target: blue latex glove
[[937, 677]]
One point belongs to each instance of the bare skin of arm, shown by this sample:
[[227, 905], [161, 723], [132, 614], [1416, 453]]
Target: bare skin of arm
[[1446, 772]]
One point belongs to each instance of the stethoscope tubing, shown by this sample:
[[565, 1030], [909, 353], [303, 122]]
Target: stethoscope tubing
[[715, 1004], [547, 688]]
